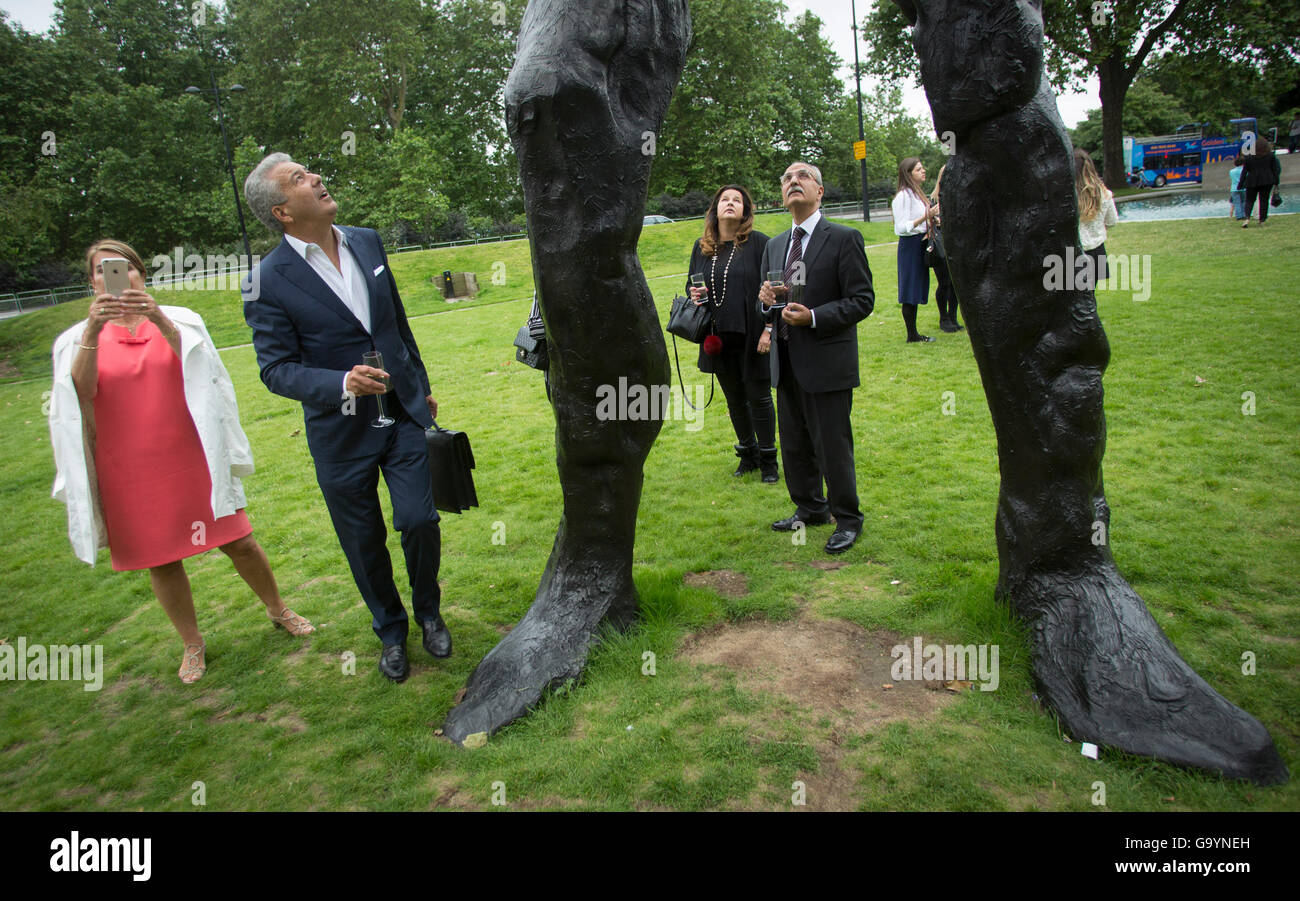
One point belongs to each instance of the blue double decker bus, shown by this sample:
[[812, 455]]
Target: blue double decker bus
[[1178, 158]]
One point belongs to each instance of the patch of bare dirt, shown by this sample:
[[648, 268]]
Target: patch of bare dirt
[[726, 582], [829, 669]]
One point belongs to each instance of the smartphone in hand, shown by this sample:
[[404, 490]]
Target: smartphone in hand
[[116, 279]]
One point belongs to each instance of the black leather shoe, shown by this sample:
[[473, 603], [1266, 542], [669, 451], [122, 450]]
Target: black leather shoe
[[392, 662], [437, 640], [841, 540], [920, 339], [788, 524]]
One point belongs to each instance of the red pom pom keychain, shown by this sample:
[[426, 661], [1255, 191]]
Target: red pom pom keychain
[[712, 345]]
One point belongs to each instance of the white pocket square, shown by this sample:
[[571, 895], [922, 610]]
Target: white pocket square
[[379, 269]]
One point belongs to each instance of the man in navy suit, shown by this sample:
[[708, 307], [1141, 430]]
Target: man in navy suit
[[318, 302], [814, 356]]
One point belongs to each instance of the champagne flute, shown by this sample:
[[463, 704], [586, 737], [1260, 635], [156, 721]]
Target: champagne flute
[[376, 359]]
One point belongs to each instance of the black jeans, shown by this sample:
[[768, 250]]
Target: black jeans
[[749, 402]]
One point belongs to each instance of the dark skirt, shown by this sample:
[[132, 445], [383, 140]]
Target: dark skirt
[[913, 274], [1086, 280]]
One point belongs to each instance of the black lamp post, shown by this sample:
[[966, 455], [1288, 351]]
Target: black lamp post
[[230, 165], [862, 136]]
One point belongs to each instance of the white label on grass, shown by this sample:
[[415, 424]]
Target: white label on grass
[[1088, 749]]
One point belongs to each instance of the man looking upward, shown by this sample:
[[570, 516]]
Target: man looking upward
[[814, 356], [316, 304]]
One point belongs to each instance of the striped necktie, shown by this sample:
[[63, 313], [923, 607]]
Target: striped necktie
[[796, 257]]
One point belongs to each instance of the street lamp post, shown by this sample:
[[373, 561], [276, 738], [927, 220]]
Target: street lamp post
[[862, 135], [230, 164]]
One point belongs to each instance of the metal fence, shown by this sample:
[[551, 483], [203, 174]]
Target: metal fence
[[23, 301]]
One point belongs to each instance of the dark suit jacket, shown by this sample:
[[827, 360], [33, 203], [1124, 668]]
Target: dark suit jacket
[[838, 286], [307, 338]]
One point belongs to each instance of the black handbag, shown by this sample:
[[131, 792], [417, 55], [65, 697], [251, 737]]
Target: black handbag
[[690, 320], [694, 323], [451, 469], [529, 350], [1276, 199], [530, 342], [935, 254]]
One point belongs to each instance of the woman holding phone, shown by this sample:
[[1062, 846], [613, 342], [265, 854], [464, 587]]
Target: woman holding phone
[[148, 446], [724, 272]]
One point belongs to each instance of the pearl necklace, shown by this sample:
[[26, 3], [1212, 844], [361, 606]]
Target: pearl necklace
[[713, 277]]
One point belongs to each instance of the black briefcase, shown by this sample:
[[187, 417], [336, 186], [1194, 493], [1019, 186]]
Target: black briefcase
[[451, 469]]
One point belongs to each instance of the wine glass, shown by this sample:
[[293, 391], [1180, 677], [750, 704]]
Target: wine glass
[[376, 359]]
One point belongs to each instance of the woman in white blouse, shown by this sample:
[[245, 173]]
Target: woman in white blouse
[[1096, 214], [911, 222]]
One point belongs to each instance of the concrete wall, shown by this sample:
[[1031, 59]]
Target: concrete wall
[[1214, 177]]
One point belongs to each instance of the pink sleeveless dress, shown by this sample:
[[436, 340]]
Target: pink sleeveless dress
[[153, 476]]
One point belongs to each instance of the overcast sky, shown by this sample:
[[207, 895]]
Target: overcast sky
[[836, 16]]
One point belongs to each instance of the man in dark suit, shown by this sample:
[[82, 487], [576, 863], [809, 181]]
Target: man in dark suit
[[318, 302], [813, 343]]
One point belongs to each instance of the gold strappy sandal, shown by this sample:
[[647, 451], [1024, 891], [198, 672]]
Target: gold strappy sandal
[[292, 623], [193, 665]]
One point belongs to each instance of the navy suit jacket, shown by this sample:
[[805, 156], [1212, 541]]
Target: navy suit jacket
[[307, 339], [838, 286]]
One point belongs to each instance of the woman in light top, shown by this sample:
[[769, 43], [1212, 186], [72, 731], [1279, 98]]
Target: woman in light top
[[1096, 214], [912, 214], [149, 451]]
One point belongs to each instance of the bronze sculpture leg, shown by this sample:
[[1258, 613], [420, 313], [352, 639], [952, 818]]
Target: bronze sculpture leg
[[1099, 658], [585, 99]]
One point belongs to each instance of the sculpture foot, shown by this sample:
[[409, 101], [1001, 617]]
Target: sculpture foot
[[1114, 678], [547, 648]]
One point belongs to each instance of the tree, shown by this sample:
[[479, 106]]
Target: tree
[[1214, 90], [732, 122], [1114, 39], [1147, 111], [334, 78], [730, 115]]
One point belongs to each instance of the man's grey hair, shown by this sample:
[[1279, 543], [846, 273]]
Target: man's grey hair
[[261, 191], [817, 173]]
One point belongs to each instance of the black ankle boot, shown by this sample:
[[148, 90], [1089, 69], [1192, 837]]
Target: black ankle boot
[[767, 462], [748, 454]]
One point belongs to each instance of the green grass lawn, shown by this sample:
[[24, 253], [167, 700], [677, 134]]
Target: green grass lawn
[[1204, 525]]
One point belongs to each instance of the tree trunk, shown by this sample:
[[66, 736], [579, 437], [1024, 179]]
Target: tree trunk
[[1099, 658], [589, 89], [1115, 81]]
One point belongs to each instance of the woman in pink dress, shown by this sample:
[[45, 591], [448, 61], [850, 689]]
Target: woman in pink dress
[[144, 375]]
